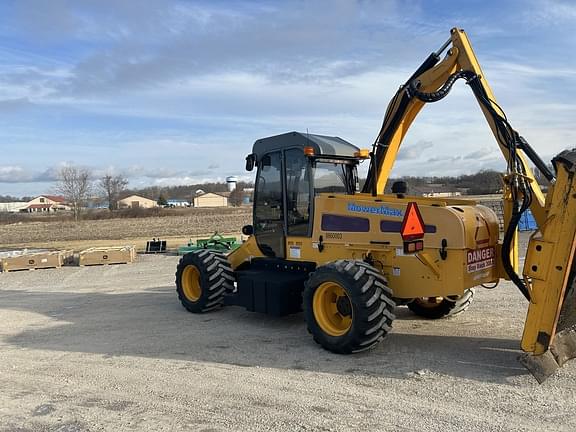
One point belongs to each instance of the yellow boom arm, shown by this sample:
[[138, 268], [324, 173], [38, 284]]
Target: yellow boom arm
[[460, 57], [548, 276]]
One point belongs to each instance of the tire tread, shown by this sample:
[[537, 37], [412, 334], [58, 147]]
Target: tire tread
[[216, 278], [373, 305]]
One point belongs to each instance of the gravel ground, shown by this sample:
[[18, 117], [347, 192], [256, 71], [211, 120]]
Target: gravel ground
[[111, 349]]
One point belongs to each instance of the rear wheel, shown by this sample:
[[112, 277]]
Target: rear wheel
[[202, 278], [348, 306], [440, 307]]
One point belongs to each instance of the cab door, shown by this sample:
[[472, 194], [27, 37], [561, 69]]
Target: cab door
[[298, 191], [269, 219]]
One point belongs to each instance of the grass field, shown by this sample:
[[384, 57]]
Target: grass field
[[177, 229]]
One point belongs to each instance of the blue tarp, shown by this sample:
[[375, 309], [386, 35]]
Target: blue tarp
[[527, 221]]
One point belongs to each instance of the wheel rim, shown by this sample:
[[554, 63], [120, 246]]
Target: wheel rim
[[330, 307], [191, 283]]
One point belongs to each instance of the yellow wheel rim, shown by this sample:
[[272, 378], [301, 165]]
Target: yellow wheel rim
[[332, 309], [191, 283]]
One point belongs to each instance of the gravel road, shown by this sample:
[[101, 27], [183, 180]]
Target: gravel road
[[111, 349]]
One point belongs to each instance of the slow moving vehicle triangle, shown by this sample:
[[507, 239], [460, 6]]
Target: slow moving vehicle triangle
[[412, 225]]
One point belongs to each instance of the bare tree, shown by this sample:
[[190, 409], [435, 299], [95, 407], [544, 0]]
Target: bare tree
[[111, 188], [74, 184], [236, 197]]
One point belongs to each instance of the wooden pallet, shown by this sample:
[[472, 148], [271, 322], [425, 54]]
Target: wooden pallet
[[36, 260], [107, 255]]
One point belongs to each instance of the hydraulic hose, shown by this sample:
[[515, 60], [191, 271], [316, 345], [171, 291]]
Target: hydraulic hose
[[442, 92], [509, 138], [506, 251]]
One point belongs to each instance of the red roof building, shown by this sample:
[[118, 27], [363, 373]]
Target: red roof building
[[46, 203], [55, 198]]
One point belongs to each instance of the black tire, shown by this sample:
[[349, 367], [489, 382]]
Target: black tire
[[370, 304], [213, 277], [433, 308]]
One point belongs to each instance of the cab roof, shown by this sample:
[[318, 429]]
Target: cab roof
[[322, 144]]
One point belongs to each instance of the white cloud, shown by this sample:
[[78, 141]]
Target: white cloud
[[18, 174], [12, 105], [414, 151], [180, 90], [482, 154], [544, 12], [9, 174]]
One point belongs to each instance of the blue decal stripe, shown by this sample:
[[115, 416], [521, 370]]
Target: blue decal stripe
[[377, 210]]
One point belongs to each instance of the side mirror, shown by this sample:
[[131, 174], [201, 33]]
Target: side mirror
[[248, 230], [250, 162]]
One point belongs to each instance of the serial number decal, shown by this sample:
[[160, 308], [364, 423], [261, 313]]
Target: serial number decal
[[333, 235], [480, 259]]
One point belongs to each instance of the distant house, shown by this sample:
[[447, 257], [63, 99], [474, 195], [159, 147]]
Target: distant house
[[136, 201], [46, 203], [177, 203], [211, 200]]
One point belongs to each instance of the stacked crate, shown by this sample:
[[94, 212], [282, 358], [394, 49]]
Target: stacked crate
[[107, 255], [23, 260]]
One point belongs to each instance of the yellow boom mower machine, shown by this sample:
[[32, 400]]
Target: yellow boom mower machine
[[348, 257]]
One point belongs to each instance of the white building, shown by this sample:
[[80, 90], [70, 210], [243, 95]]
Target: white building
[[46, 203], [136, 201], [13, 207], [210, 200]]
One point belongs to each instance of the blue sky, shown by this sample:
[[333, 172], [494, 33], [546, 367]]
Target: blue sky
[[175, 92]]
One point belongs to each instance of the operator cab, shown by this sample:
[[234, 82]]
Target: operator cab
[[293, 168]]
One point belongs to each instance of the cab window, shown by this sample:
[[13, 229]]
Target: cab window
[[268, 206], [297, 192], [330, 177]]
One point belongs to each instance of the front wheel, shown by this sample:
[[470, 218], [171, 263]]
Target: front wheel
[[348, 306], [202, 279]]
